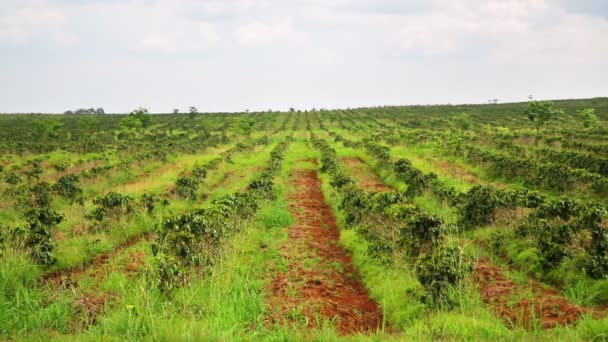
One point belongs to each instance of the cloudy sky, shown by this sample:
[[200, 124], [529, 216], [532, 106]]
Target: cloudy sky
[[232, 55]]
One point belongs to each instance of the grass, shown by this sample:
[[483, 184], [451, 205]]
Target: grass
[[228, 301]]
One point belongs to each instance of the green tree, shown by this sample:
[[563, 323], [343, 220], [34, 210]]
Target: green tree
[[130, 122], [192, 111], [137, 118], [541, 112], [588, 117]]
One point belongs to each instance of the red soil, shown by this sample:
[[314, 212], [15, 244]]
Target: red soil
[[456, 171], [90, 306], [223, 181], [364, 176], [523, 305], [320, 283]]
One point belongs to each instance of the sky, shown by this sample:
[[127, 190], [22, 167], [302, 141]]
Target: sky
[[233, 55]]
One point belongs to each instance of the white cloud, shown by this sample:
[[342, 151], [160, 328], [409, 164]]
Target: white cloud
[[33, 20], [301, 52], [258, 33]]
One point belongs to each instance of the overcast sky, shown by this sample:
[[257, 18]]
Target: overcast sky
[[232, 55]]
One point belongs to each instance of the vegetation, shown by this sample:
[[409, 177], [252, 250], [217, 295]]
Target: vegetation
[[468, 222]]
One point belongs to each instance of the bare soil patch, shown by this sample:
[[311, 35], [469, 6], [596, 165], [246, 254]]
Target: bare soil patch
[[227, 177], [456, 171], [320, 282], [523, 305], [364, 175]]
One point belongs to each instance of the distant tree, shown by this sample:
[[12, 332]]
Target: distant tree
[[493, 101], [192, 111], [292, 110], [68, 112], [588, 117], [83, 111], [137, 118], [541, 112], [130, 122], [176, 111]]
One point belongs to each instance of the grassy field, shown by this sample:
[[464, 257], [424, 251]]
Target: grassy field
[[468, 222]]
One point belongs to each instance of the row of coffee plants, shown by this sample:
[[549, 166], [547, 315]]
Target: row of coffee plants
[[396, 228], [37, 237], [564, 230], [573, 159], [547, 175], [187, 186], [601, 149], [476, 207], [552, 228], [194, 239]]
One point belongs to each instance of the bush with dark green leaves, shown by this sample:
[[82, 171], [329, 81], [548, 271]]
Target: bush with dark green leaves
[[38, 237], [111, 204], [12, 178], [440, 270], [68, 186], [186, 187]]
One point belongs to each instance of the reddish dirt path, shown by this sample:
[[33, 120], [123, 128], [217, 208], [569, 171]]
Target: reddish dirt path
[[320, 282], [364, 175], [523, 305]]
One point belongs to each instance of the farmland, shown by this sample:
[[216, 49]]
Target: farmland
[[454, 222]]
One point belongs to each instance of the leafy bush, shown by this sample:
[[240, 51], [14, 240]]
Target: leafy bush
[[12, 178], [39, 236], [438, 271], [148, 202], [38, 195], [61, 166], [186, 187], [68, 186], [111, 205], [169, 274]]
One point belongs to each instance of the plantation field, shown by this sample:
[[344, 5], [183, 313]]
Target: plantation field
[[468, 222]]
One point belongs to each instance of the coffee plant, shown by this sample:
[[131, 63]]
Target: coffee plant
[[68, 186], [111, 205], [38, 234]]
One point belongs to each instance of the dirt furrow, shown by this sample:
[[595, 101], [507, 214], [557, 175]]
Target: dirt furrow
[[319, 282], [523, 305], [364, 175]]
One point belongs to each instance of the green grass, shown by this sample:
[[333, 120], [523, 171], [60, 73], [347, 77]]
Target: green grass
[[228, 301]]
